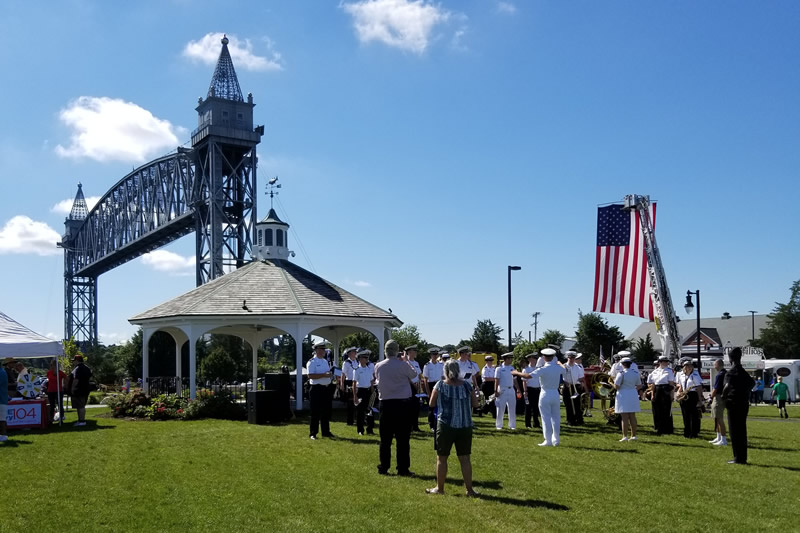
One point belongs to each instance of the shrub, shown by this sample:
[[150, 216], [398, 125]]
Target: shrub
[[127, 404]]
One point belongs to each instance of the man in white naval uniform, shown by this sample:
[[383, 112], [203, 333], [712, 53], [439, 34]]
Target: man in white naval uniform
[[549, 400]]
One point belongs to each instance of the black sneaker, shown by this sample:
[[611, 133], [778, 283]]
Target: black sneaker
[[406, 473], [382, 471]]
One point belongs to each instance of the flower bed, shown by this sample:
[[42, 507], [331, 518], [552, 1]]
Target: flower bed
[[209, 404]]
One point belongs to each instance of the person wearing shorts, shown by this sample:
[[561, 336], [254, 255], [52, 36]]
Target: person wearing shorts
[[455, 399], [780, 391], [718, 405]]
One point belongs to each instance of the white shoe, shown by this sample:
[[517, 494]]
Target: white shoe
[[3, 438], [721, 443], [714, 441], [80, 423], [555, 443], [632, 438], [545, 443], [624, 439]]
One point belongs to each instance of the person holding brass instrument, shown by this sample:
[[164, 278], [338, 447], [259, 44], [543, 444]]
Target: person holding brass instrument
[[487, 383], [346, 389], [363, 385], [627, 398], [662, 383], [574, 387], [411, 359], [690, 394], [431, 374]]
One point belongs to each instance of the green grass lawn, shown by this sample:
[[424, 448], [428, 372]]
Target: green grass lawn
[[209, 475]]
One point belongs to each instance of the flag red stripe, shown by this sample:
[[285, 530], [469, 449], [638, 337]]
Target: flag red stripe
[[596, 276]]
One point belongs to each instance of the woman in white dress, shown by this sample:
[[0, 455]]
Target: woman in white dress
[[627, 400]]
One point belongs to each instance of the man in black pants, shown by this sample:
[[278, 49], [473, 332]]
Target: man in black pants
[[532, 390], [736, 392], [319, 377], [662, 380], [346, 382], [393, 376]]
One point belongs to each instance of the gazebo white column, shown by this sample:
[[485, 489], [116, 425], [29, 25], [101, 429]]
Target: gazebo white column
[[255, 364], [298, 389], [146, 334], [178, 367], [192, 367]]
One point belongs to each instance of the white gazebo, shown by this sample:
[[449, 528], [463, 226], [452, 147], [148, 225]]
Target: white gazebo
[[267, 297]]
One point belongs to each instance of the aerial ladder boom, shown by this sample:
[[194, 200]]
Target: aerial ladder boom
[[665, 318]]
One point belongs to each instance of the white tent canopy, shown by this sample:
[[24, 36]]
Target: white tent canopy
[[20, 342]]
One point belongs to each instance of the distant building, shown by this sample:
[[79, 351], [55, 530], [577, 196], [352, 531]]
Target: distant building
[[715, 333]]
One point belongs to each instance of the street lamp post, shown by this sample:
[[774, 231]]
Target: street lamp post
[[510, 334], [689, 308], [753, 326]]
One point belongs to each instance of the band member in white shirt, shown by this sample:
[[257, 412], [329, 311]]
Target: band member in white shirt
[[431, 374], [468, 370], [363, 385], [319, 377], [505, 392], [690, 394], [411, 359], [487, 385], [549, 377], [346, 382], [662, 382], [531, 392], [574, 386]]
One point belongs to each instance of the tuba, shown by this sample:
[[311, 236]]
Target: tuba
[[601, 386]]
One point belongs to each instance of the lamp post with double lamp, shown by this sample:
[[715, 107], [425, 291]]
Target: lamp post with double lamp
[[753, 326], [689, 306], [510, 334]]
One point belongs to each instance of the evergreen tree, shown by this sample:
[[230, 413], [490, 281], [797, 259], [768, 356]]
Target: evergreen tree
[[781, 337]]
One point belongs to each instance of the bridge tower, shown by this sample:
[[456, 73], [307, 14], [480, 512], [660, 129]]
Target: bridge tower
[[224, 145], [80, 292]]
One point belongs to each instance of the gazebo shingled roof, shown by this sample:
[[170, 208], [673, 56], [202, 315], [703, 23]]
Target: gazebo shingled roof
[[269, 287]]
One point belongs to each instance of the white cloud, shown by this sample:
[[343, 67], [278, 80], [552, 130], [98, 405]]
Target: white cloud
[[110, 129], [64, 207], [404, 24], [21, 235], [111, 338], [166, 261], [506, 7], [207, 49], [361, 283]]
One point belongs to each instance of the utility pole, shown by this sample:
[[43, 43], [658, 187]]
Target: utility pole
[[535, 324]]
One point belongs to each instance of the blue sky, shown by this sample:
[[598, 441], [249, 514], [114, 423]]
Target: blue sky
[[422, 147]]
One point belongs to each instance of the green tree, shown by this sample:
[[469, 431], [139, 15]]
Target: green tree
[[486, 337], [593, 333], [643, 350], [781, 337], [409, 335], [219, 364], [362, 340], [550, 336]]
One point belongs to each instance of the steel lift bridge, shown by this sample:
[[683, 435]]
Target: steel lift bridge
[[209, 188]]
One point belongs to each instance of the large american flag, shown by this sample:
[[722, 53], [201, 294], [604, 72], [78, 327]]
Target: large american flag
[[621, 283]]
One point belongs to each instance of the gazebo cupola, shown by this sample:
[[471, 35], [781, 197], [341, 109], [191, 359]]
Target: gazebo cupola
[[271, 240]]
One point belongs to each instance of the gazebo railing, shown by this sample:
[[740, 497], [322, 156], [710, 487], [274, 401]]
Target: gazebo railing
[[174, 385]]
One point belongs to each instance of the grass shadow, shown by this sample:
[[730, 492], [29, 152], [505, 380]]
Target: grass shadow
[[531, 503], [791, 468], [91, 425], [13, 443], [611, 450], [772, 448], [367, 439], [488, 484]]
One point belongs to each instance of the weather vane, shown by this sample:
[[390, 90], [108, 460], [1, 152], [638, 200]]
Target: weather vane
[[271, 186]]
